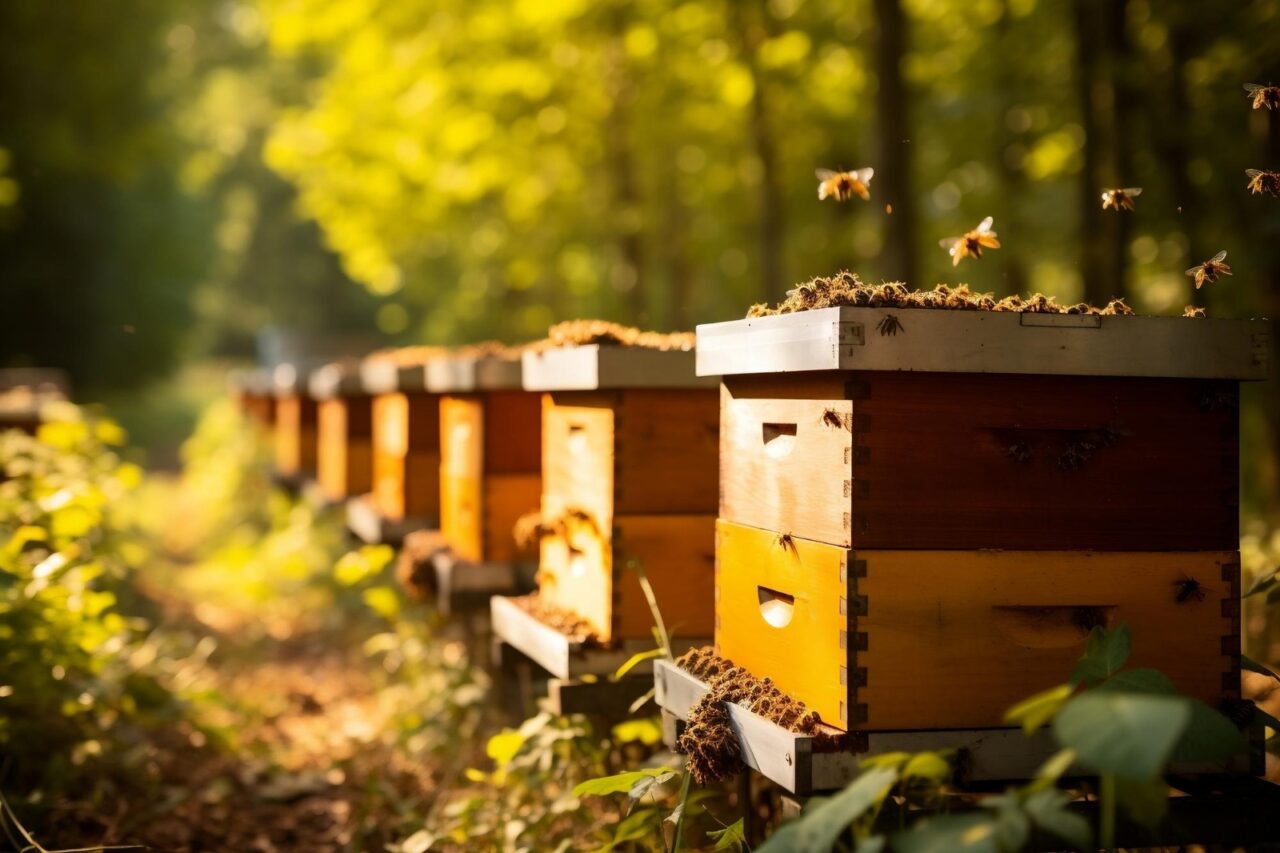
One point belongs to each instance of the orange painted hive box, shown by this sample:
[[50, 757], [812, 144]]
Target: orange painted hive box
[[629, 476], [253, 390], [942, 504], [296, 427], [406, 434], [344, 431], [490, 446]]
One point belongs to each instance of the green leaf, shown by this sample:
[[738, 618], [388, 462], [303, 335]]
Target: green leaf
[[1130, 735], [1051, 771], [1140, 681], [1262, 583], [1146, 802], [931, 767], [1252, 665], [618, 783], [641, 700], [1209, 736], [642, 786], [974, 833], [1049, 810], [885, 760], [647, 730], [826, 819], [382, 600], [637, 659], [1105, 653], [1033, 712], [732, 837]]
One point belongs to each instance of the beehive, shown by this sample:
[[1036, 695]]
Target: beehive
[[254, 394], [344, 431], [296, 424], [26, 392], [405, 433], [629, 438], [924, 512], [490, 468]]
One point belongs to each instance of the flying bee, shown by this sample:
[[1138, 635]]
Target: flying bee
[[1263, 96], [1187, 588], [1210, 270], [972, 243], [786, 542], [843, 186], [832, 418], [1120, 199], [1262, 182]]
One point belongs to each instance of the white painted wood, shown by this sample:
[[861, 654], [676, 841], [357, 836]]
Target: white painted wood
[[457, 374], [335, 380], [381, 376], [987, 342], [593, 367]]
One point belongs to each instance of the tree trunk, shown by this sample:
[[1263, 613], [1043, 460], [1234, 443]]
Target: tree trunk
[[627, 205], [1123, 103], [1092, 260], [1013, 181], [752, 31], [893, 180]]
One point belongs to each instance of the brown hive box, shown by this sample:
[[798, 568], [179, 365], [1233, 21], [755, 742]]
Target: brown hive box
[[253, 390], [25, 392], [490, 445], [629, 439], [296, 423], [344, 431], [941, 504], [405, 425]]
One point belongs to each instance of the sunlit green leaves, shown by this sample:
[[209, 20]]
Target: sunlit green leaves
[[1106, 652], [1129, 735], [622, 782], [1035, 711], [826, 819], [732, 837]]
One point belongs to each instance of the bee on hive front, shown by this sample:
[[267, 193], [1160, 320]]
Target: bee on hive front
[[1187, 588], [1120, 199], [1263, 96], [1210, 270], [972, 243], [843, 186], [1262, 182]]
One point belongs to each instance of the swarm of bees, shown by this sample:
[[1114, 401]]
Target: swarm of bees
[[1263, 96], [972, 243], [1210, 270], [1120, 199], [1262, 182], [843, 186]]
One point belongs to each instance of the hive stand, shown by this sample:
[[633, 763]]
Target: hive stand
[[490, 440], [294, 441], [948, 501], [628, 449]]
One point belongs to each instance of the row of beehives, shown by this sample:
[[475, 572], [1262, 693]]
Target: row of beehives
[[905, 533]]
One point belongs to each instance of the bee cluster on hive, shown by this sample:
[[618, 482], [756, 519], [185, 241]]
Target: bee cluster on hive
[[708, 740], [584, 332], [532, 527], [845, 289], [574, 627]]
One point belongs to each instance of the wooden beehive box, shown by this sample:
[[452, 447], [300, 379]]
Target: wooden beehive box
[[406, 435], [25, 392], [254, 393], [490, 446], [296, 424], [938, 505], [344, 431], [629, 439]]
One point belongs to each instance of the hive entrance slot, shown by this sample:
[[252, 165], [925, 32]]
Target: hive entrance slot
[[779, 439], [776, 607], [1051, 626]]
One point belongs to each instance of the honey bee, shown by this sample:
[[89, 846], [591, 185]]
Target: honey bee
[[1187, 588], [1262, 182], [843, 186], [786, 542], [972, 243], [890, 325], [1263, 96], [1120, 199], [1210, 270], [831, 417]]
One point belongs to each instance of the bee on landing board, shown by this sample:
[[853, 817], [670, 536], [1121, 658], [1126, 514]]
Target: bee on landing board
[[1263, 96], [972, 243], [1120, 199], [1262, 182], [1210, 270], [1188, 588], [843, 186]]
